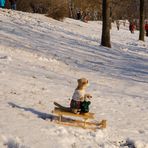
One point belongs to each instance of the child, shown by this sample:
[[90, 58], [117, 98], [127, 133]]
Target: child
[[79, 102]]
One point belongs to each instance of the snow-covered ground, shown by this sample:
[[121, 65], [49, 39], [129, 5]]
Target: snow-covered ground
[[40, 62]]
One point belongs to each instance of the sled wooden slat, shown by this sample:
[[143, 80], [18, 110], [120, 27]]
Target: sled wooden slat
[[77, 125], [60, 112]]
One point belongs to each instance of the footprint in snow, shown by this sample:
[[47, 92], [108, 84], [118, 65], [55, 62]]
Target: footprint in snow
[[11, 142], [141, 131]]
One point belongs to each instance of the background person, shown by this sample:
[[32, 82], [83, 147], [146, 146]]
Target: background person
[[2, 3], [146, 28]]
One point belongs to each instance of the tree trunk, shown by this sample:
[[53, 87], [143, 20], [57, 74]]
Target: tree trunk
[[106, 24], [141, 34]]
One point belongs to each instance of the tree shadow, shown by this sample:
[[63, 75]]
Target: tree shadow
[[39, 114]]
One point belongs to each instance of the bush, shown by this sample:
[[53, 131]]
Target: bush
[[58, 9], [40, 6], [35, 6], [24, 5]]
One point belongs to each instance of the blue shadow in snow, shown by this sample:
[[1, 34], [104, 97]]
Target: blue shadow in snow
[[39, 114]]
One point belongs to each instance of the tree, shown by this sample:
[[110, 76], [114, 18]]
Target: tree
[[70, 8], [105, 41], [141, 33]]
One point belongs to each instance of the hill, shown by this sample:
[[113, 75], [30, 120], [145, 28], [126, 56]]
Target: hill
[[40, 62]]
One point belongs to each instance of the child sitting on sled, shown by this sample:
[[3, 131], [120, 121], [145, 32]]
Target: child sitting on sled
[[80, 100]]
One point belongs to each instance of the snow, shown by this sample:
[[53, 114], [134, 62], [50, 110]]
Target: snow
[[40, 62]]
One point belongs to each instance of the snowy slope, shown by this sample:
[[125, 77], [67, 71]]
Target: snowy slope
[[40, 61]]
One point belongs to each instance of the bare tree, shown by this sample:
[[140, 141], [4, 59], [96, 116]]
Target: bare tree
[[70, 7], [120, 9], [105, 41], [141, 34]]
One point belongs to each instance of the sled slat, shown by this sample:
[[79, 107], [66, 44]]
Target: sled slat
[[84, 116], [88, 125], [76, 125]]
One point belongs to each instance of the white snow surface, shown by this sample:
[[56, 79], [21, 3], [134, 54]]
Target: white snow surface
[[40, 62]]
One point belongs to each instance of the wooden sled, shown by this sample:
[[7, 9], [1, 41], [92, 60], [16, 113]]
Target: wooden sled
[[62, 112]]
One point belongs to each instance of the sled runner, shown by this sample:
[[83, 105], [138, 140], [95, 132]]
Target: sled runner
[[63, 112]]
